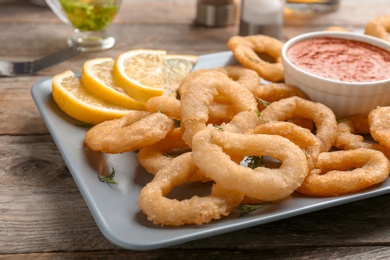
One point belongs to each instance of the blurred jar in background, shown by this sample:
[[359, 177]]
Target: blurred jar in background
[[310, 6], [214, 13], [262, 17]]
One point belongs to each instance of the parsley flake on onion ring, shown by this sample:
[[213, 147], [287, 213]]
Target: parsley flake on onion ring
[[212, 149]]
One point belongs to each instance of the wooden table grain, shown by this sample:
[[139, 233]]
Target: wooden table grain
[[42, 213]]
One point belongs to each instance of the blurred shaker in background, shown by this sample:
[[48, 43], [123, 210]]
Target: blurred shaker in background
[[309, 7], [39, 2], [216, 12], [262, 17]]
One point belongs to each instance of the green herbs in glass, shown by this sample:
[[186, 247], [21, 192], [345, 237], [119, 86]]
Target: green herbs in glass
[[87, 15]]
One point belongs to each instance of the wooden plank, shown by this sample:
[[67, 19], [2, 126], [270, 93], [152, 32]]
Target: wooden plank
[[41, 209], [356, 253]]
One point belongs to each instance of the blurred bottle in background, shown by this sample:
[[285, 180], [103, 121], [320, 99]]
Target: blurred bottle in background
[[262, 17], [310, 6]]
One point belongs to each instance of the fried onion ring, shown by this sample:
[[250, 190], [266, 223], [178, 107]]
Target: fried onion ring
[[167, 105], [242, 122], [221, 109], [379, 27], [360, 123], [349, 138], [201, 93], [333, 177], [277, 91], [322, 116], [196, 210], [379, 121], [152, 157], [131, 132], [245, 49], [296, 134], [211, 150], [336, 29], [346, 137], [268, 93], [246, 77], [157, 156]]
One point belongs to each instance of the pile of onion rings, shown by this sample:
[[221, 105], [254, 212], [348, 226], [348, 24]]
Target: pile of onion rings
[[225, 116]]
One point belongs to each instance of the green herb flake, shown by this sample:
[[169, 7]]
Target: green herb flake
[[264, 102], [108, 179], [342, 120], [253, 59], [218, 127], [261, 116], [247, 208], [254, 161], [170, 155]]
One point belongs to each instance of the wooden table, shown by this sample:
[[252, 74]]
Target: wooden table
[[42, 213]]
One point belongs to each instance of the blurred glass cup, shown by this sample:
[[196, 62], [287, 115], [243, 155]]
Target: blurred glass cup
[[310, 6], [90, 19]]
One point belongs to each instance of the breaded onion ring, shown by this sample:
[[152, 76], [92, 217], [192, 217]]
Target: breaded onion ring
[[221, 109], [296, 134], [200, 94], [246, 48], [152, 157], [277, 91], [379, 27], [167, 105], [333, 175], [322, 116], [196, 210], [359, 123], [187, 80], [246, 77], [379, 121], [131, 132], [157, 156], [348, 138], [212, 149], [336, 29], [242, 122], [221, 112]]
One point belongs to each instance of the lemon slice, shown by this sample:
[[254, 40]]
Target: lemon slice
[[141, 73], [176, 67], [97, 77], [78, 102]]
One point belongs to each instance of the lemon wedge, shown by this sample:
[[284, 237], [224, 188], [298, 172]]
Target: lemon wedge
[[78, 102], [141, 73], [146, 73], [176, 67], [97, 77]]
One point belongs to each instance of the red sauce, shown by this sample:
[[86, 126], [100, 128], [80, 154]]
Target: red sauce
[[341, 59]]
